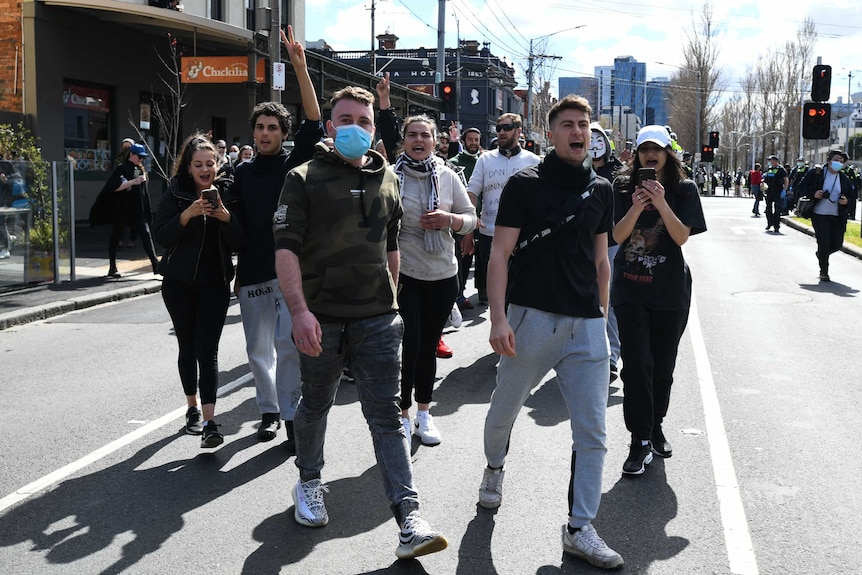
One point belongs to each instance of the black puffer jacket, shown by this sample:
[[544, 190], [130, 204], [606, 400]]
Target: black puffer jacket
[[185, 246]]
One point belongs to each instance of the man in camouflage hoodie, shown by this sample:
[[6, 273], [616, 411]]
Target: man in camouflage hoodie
[[336, 240]]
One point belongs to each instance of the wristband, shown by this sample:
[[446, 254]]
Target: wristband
[[450, 221]]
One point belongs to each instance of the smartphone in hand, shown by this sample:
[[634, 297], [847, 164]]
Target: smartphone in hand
[[211, 194], [646, 174]]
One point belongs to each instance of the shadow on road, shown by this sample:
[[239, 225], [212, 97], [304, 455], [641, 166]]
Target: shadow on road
[[84, 515], [832, 287], [355, 505]]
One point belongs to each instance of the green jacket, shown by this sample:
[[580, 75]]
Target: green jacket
[[342, 222]]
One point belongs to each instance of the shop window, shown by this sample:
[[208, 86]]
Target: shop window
[[87, 126]]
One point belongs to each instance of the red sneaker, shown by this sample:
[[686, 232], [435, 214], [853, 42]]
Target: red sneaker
[[443, 350]]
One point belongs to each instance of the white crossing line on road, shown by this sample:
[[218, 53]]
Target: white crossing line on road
[[104, 451], [737, 539]]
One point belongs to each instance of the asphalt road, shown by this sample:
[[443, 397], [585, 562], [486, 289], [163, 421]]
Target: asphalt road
[[96, 476]]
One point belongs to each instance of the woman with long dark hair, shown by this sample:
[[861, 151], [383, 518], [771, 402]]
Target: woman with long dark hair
[[435, 204], [656, 210], [198, 231]]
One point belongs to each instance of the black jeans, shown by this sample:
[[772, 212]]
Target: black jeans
[[829, 233], [464, 263], [424, 307], [649, 342], [198, 313], [483, 254]]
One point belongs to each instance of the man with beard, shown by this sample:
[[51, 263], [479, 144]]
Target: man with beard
[[492, 170], [466, 160]]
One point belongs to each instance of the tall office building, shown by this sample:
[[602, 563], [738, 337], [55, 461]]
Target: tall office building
[[581, 86], [629, 84]]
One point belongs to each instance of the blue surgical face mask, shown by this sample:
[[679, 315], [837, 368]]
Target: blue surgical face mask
[[352, 141], [836, 165]]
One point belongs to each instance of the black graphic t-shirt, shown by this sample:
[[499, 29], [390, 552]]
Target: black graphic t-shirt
[[649, 267]]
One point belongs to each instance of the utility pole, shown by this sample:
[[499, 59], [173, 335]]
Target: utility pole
[[373, 54], [274, 46], [440, 75], [458, 70]]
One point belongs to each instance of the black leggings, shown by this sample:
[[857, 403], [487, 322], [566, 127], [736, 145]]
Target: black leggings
[[137, 223], [198, 313], [424, 307]]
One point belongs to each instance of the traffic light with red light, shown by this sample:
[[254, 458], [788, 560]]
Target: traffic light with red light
[[713, 139], [531, 146], [821, 83], [816, 118], [449, 95], [707, 154]]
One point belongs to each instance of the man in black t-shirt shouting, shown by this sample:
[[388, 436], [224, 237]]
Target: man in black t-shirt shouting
[[558, 214]]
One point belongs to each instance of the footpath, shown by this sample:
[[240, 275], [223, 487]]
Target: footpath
[[91, 287]]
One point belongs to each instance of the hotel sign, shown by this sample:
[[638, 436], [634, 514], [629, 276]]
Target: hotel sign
[[219, 70]]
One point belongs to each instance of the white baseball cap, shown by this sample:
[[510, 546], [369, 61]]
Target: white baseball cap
[[655, 134]]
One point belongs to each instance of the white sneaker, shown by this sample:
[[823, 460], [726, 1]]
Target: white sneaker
[[408, 427], [417, 538], [586, 544], [491, 490], [308, 497], [424, 427], [455, 317], [4, 253]]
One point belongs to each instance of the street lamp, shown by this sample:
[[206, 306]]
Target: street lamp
[[697, 120], [529, 119]]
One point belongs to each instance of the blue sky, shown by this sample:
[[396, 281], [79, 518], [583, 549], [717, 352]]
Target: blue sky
[[650, 32]]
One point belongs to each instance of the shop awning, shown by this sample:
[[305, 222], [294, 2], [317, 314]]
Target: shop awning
[[179, 23]]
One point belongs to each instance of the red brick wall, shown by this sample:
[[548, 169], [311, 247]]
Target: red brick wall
[[10, 39]]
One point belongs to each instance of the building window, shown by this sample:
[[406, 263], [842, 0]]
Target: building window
[[284, 13], [251, 15], [87, 126], [217, 10]]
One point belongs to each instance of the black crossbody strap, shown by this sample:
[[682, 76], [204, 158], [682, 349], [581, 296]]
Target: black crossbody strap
[[579, 201]]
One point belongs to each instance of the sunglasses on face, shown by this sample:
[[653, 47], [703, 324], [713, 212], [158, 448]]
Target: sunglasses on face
[[505, 128]]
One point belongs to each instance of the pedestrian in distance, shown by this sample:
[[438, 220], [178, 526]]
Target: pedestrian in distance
[[657, 210], [607, 165], [196, 225], [126, 198], [832, 190], [755, 178], [272, 355], [464, 243], [777, 182], [558, 214], [435, 204], [486, 183], [336, 239]]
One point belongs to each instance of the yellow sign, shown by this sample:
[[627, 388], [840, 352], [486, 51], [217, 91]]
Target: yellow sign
[[219, 70]]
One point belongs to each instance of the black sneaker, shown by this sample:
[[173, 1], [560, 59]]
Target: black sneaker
[[194, 421], [639, 457], [614, 372], [212, 437], [660, 445], [269, 424]]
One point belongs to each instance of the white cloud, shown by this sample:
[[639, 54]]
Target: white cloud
[[649, 32]]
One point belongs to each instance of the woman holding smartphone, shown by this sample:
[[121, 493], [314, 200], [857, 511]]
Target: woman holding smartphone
[[198, 231], [656, 209]]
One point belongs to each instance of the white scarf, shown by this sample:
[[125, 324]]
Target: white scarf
[[434, 239]]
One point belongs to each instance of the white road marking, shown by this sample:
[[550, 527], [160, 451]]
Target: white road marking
[[740, 550], [104, 451]]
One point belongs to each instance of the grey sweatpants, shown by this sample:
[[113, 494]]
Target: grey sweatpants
[[577, 350], [272, 355]]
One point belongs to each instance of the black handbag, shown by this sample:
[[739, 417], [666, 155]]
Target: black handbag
[[805, 207]]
